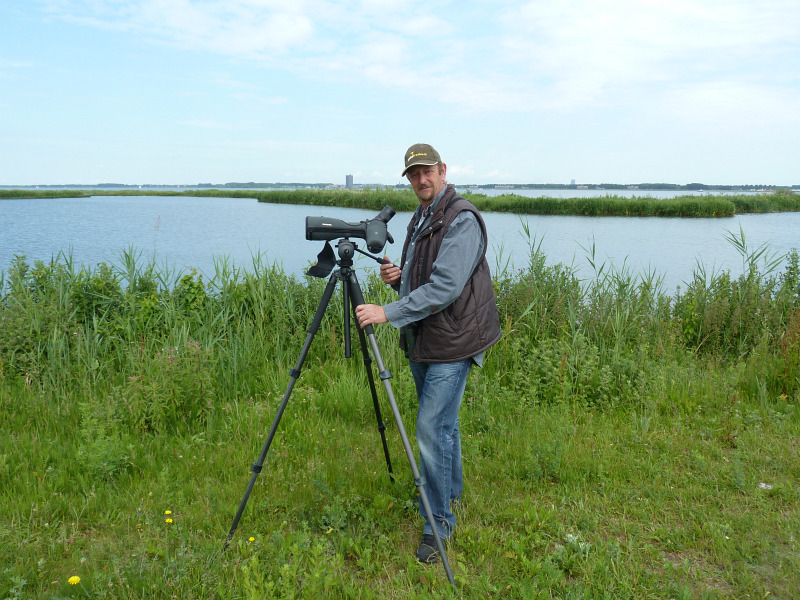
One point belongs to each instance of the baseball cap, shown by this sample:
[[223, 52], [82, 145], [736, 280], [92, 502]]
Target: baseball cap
[[421, 154]]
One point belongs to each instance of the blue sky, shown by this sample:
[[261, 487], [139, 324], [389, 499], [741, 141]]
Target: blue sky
[[216, 91]]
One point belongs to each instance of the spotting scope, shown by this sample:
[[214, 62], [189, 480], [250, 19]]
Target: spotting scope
[[372, 230]]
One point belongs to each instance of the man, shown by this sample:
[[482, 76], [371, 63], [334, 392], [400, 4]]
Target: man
[[447, 317]]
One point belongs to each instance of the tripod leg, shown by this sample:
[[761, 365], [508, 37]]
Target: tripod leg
[[381, 425], [295, 374], [385, 375], [346, 318]]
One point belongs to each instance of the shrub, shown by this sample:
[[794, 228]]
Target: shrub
[[25, 329], [104, 452], [173, 390]]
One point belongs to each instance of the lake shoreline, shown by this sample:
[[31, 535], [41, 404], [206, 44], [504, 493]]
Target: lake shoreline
[[682, 206]]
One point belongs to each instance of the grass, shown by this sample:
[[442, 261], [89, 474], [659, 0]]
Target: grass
[[33, 194], [404, 200], [618, 443]]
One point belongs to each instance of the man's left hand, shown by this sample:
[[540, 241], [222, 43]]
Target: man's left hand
[[370, 314]]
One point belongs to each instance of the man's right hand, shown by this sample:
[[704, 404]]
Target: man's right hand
[[390, 274]]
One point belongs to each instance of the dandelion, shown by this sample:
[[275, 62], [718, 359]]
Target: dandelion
[[167, 520], [252, 539], [74, 580], [167, 512]]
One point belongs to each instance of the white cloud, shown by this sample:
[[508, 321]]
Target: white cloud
[[239, 27], [204, 124], [590, 51], [459, 170], [10, 68], [495, 174], [6, 63], [520, 57], [259, 100], [732, 106], [406, 17]]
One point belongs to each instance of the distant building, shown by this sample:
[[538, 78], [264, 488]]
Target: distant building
[[348, 181], [572, 182]]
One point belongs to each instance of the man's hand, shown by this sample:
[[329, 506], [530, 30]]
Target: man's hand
[[390, 274], [370, 314]]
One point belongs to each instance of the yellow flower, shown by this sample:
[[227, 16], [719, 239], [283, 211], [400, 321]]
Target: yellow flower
[[167, 520], [74, 580], [252, 539], [167, 512]]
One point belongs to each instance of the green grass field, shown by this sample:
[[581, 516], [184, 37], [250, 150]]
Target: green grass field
[[618, 443]]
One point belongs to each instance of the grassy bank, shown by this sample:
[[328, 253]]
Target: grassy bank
[[404, 200], [34, 194], [642, 206], [618, 443]]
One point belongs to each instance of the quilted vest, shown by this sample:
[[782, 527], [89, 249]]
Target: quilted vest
[[469, 325]]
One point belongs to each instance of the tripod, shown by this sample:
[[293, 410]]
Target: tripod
[[353, 297]]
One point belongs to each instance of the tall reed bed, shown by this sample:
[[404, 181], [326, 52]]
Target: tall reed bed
[[63, 326], [369, 199], [28, 194], [404, 200], [646, 206], [642, 206], [602, 335], [681, 206]]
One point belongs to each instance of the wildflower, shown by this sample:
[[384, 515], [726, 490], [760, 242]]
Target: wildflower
[[167, 520], [252, 539], [74, 580], [167, 512]]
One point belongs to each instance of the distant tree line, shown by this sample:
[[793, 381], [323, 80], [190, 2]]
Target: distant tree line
[[638, 186], [503, 186]]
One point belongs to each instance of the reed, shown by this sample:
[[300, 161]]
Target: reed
[[684, 206], [368, 199], [780, 201], [680, 206], [404, 200], [31, 194]]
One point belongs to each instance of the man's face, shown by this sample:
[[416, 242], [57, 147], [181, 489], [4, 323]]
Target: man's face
[[427, 181]]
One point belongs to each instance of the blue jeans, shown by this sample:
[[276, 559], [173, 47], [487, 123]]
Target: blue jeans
[[440, 387]]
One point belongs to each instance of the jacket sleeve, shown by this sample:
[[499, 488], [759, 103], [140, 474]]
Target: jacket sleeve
[[459, 254]]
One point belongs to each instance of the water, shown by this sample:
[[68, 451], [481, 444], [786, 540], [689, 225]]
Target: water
[[671, 248], [183, 233]]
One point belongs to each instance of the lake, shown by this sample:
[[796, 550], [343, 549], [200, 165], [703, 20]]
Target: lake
[[183, 233]]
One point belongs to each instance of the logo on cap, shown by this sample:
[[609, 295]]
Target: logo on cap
[[420, 154]]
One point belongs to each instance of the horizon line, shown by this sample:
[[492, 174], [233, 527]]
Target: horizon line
[[551, 185]]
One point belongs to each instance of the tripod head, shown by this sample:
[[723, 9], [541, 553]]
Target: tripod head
[[346, 249]]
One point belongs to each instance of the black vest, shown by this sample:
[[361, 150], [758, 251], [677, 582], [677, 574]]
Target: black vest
[[469, 325]]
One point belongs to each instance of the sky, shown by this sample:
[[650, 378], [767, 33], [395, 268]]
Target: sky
[[182, 92]]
